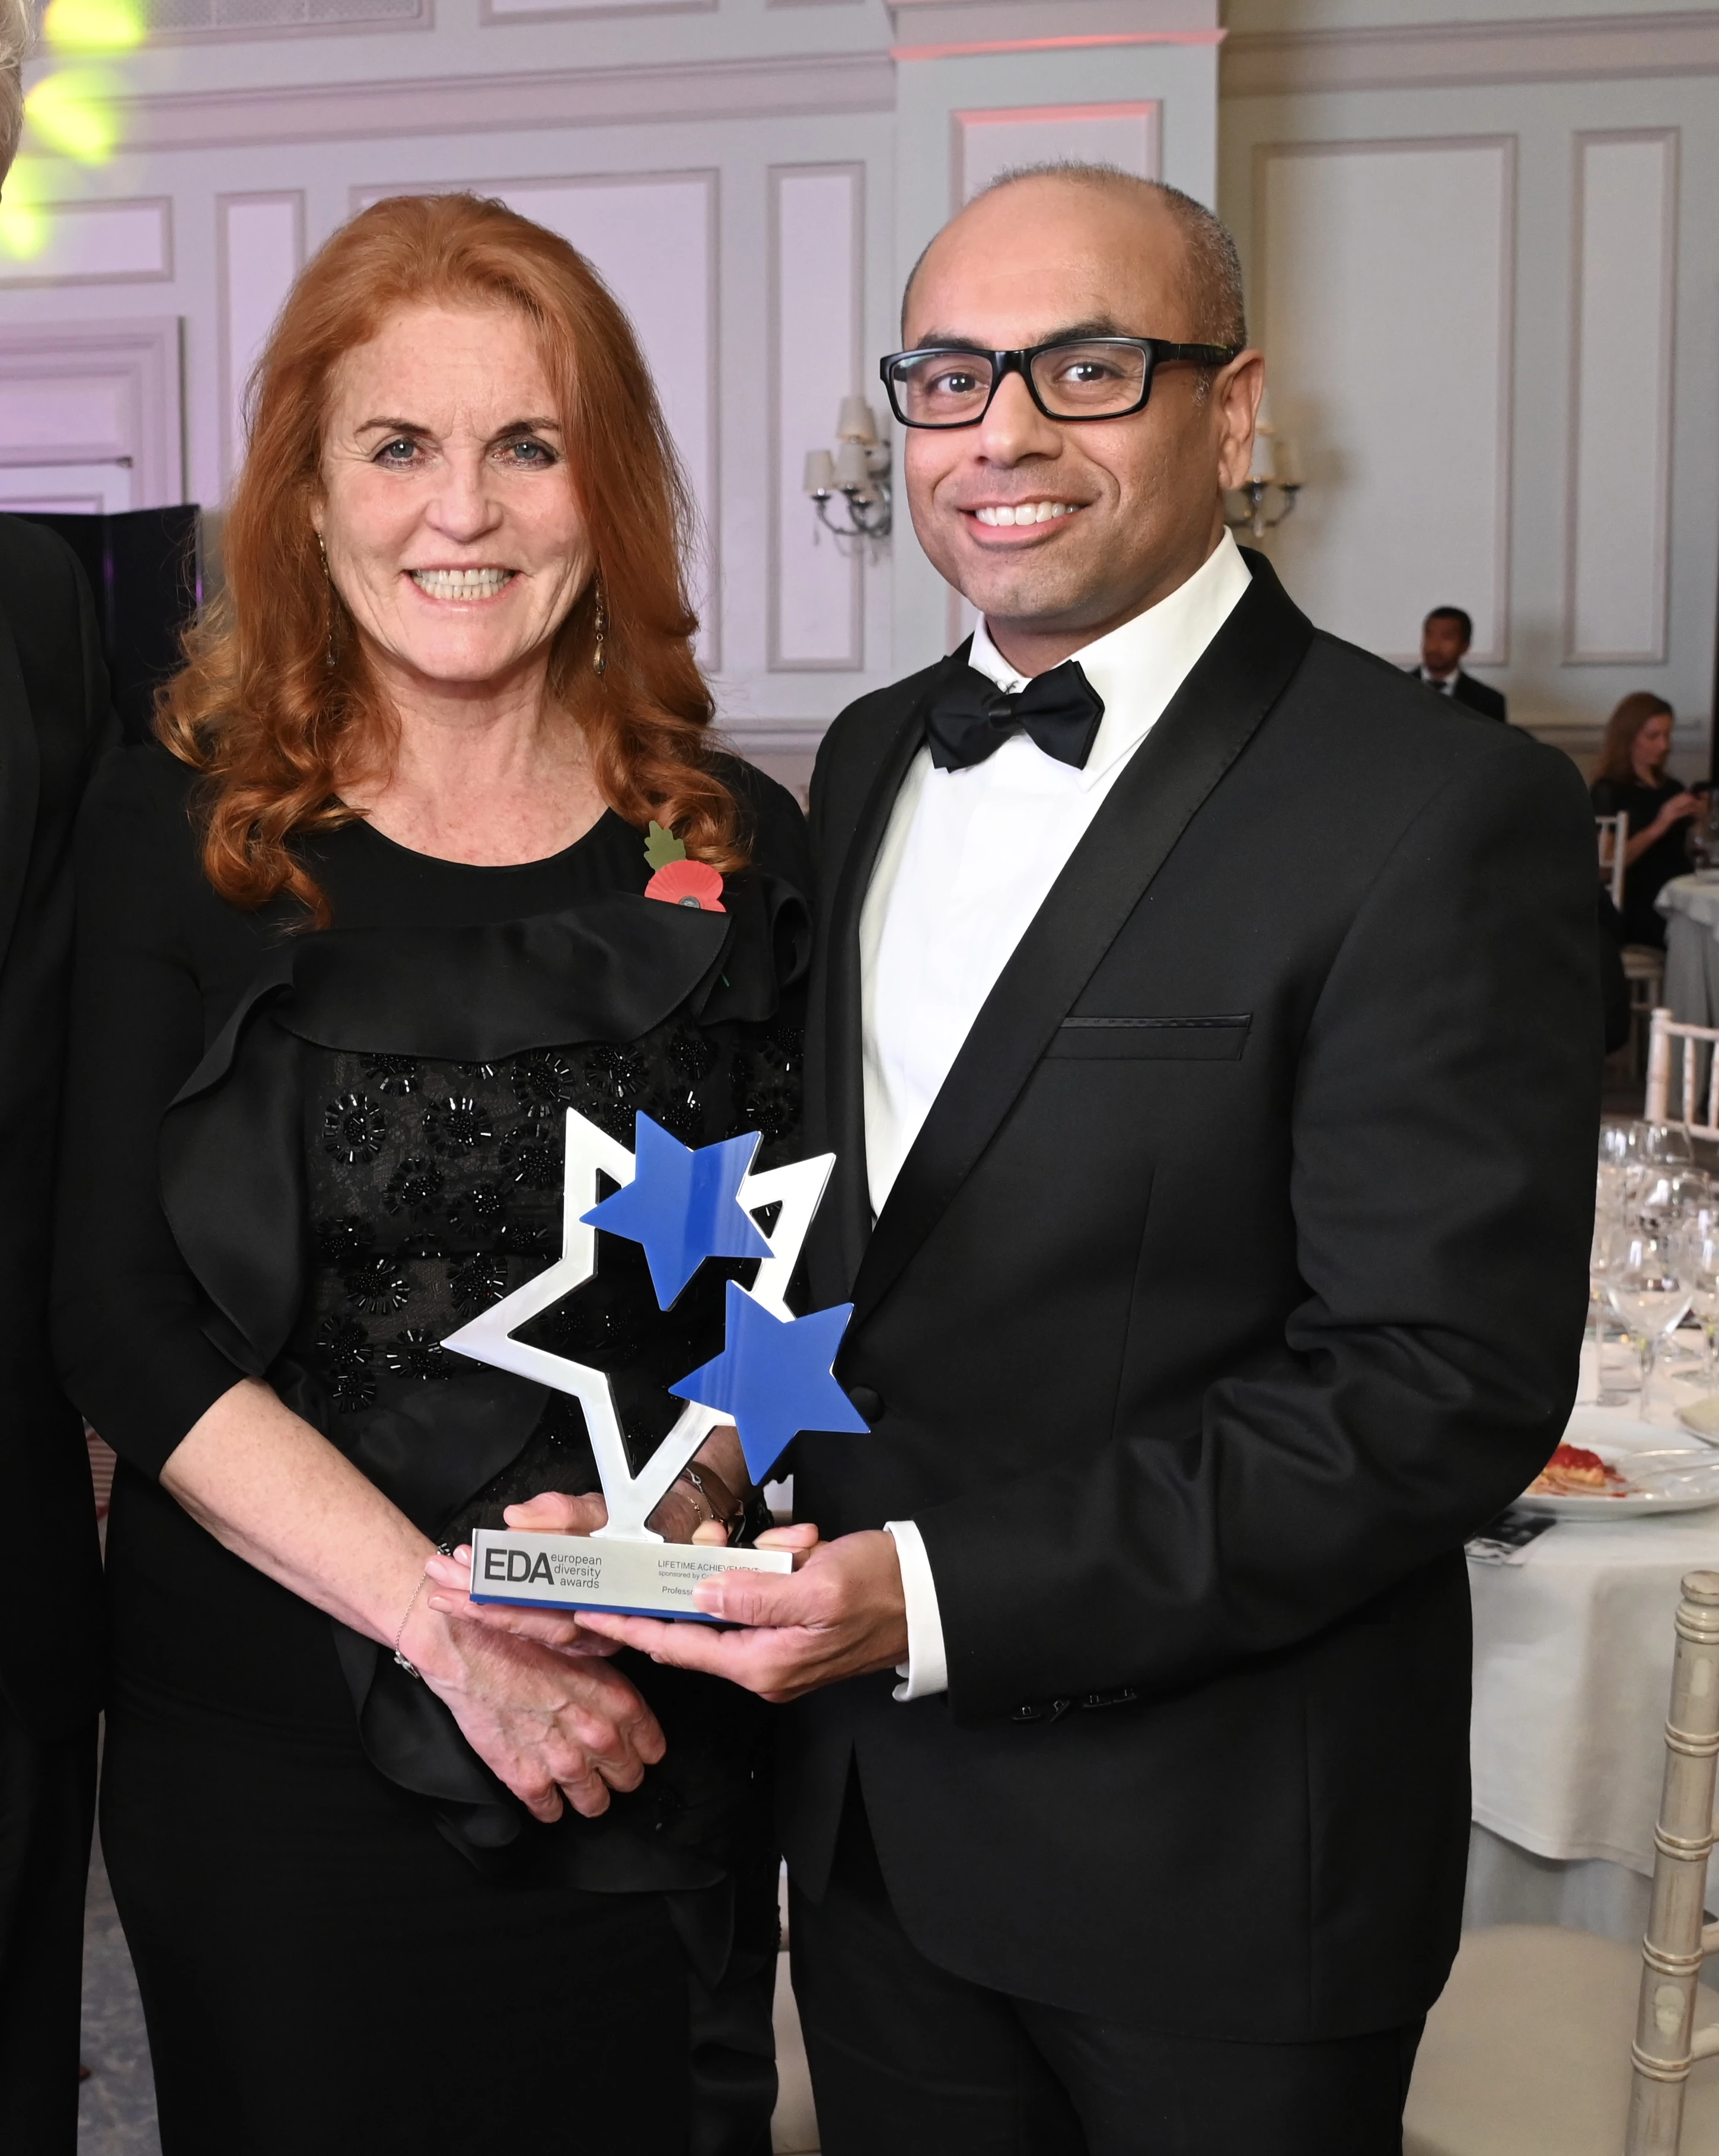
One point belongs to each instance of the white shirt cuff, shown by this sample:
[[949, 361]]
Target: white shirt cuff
[[925, 1671]]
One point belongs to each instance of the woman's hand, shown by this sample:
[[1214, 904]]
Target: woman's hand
[[1676, 810], [552, 1513], [679, 1518], [549, 1724]]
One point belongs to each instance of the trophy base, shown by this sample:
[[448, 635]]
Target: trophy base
[[581, 1572]]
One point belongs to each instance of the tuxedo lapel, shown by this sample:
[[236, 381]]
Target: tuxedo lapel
[[837, 1071], [1207, 724], [20, 777]]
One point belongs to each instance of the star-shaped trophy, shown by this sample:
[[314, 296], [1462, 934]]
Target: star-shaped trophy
[[773, 1379]]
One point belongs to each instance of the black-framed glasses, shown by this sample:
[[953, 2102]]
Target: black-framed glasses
[[1093, 377]]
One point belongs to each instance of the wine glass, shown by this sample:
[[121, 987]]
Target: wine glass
[[1607, 1221], [1666, 1193], [1648, 1286], [1701, 1271], [1660, 1142]]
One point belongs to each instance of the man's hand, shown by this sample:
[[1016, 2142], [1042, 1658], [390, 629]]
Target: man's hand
[[841, 1614]]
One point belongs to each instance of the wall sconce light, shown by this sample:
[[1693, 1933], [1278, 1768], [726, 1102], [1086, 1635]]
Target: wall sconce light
[[1276, 466], [858, 472]]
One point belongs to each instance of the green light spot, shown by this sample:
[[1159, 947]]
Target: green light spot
[[72, 111], [92, 26]]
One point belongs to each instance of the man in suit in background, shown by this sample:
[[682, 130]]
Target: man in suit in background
[[1208, 1030], [1445, 636], [55, 721]]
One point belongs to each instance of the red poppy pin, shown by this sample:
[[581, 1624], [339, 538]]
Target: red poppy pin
[[679, 881]]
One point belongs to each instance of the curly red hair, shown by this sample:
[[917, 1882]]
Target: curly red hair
[[259, 709]]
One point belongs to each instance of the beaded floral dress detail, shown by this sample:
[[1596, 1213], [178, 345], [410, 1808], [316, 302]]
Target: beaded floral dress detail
[[435, 1190]]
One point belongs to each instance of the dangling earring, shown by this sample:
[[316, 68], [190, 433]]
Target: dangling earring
[[599, 662], [331, 656]]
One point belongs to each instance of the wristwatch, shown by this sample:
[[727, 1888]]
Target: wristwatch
[[743, 1518]]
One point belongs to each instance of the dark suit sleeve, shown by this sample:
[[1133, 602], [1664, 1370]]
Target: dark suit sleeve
[[1441, 1172], [127, 1314], [51, 739]]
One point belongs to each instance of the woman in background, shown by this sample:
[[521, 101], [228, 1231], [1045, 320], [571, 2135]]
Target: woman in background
[[353, 940], [1631, 776]]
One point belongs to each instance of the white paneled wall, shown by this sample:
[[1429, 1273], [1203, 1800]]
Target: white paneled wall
[[100, 243], [817, 352], [260, 240], [89, 413], [1479, 254], [1502, 385], [1355, 243], [1620, 454], [990, 143], [746, 175]]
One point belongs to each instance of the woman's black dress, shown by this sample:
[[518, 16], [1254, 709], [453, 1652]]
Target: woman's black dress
[[348, 1935], [1650, 872]]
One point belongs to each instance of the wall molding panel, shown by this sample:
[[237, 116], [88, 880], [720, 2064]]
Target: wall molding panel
[[201, 21], [952, 29], [1442, 55], [816, 331], [492, 12], [259, 242], [488, 104], [985, 143], [95, 394], [100, 243], [1391, 362], [1623, 285]]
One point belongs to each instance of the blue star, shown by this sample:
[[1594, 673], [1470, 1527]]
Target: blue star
[[682, 1205], [772, 1378]]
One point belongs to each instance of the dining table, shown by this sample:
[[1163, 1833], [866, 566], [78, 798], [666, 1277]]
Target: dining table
[[1691, 906], [1572, 1648]]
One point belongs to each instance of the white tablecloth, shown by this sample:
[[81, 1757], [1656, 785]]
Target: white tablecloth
[[1573, 1677], [1572, 1680], [1691, 906]]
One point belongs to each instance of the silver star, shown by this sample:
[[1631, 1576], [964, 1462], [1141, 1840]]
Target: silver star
[[489, 1336]]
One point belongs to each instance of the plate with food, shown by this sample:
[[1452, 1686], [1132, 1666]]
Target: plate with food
[[1610, 1466]]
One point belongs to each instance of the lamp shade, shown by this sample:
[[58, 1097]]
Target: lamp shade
[[1289, 463], [820, 472], [1263, 466], [851, 469], [856, 423]]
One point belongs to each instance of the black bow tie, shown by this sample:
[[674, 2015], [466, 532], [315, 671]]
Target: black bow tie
[[972, 717]]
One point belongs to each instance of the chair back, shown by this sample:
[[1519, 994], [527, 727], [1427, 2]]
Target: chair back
[[1613, 834], [1675, 1077], [1667, 2042]]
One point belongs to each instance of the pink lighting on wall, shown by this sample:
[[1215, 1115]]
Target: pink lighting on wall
[[1214, 36]]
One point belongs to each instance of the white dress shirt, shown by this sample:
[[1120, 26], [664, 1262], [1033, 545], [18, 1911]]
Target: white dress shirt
[[967, 859]]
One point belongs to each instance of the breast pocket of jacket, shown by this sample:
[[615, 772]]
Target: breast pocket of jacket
[[1218, 1039]]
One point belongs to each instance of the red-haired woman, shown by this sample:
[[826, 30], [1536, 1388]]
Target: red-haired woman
[[354, 939], [1630, 775]]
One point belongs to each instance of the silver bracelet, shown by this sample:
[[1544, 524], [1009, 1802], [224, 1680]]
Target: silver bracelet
[[412, 1669]]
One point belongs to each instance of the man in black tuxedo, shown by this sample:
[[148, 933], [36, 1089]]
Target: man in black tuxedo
[[1445, 636], [1207, 1028], [55, 721]]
